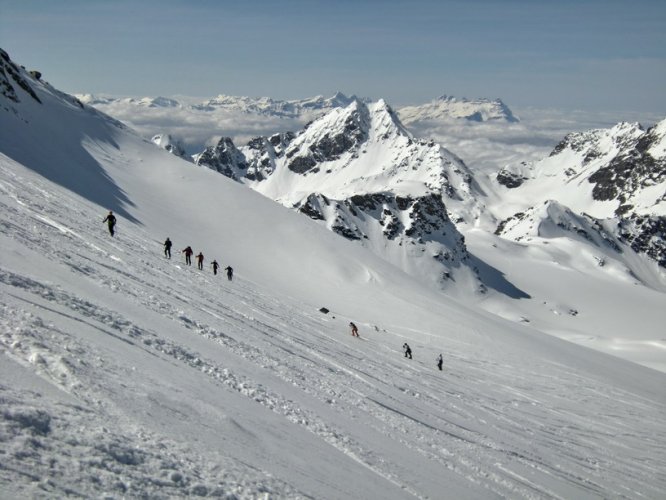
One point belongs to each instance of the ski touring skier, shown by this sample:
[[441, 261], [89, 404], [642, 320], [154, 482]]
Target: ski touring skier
[[110, 219], [200, 259], [167, 248], [354, 329], [230, 272], [215, 266], [188, 255], [408, 350], [440, 362]]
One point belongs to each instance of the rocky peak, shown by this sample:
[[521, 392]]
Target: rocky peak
[[261, 154], [11, 75], [338, 132], [361, 173], [618, 175], [623, 163], [224, 158]]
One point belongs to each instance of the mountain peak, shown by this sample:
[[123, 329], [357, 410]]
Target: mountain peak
[[447, 107]]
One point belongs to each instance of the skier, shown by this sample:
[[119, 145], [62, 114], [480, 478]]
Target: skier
[[440, 362], [230, 272], [354, 329], [215, 266], [111, 221], [408, 350], [188, 255], [200, 259], [167, 248]]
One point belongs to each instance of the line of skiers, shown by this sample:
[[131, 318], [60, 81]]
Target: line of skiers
[[405, 347], [200, 259], [408, 354], [110, 220]]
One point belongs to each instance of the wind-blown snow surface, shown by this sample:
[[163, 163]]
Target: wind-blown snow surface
[[124, 374]]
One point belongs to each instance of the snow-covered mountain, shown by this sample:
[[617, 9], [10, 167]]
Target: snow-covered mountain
[[143, 102], [126, 374], [310, 107], [616, 176], [165, 141], [361, 173], [198, 123], [225, 104], [448, 107]]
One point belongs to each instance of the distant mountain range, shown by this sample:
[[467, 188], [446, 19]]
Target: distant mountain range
[[444, 107], [360, 171], [449, 107]]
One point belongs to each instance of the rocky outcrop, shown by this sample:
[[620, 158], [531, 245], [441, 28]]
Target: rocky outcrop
[[304, 156], [510, 179], [645, 234], [224, 158], [261, 154], [10, 75]]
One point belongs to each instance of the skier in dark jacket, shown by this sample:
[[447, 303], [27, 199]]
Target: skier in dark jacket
[[230, 272], [354, 329], [188, 255], [111, 221], [408, 350], [440, 362], [200, 259], [215, 266], [167, 248]]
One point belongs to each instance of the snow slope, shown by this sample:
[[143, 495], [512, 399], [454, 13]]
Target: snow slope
[[124, 374]]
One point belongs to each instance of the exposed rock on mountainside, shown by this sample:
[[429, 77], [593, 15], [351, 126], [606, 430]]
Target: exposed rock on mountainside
[[361, 173], [616, 175], [9, 72], [645, 234], [328, 145], [224, 158]]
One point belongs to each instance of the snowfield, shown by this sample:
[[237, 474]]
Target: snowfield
[[124, 374]]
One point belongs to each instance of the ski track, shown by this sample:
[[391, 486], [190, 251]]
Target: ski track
[[475, 412]]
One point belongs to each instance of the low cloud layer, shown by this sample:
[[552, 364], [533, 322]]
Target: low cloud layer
[[486, 146]]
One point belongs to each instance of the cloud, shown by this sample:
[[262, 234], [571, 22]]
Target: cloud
[[486, 146], [197, 129], [489, 146]]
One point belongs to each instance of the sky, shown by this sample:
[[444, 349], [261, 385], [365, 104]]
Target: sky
[[570, 54]]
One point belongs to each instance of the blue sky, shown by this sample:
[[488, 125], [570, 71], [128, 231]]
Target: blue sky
[[582, 54]]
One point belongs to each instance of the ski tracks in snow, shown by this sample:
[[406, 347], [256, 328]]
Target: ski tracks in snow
[[477, 419]]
